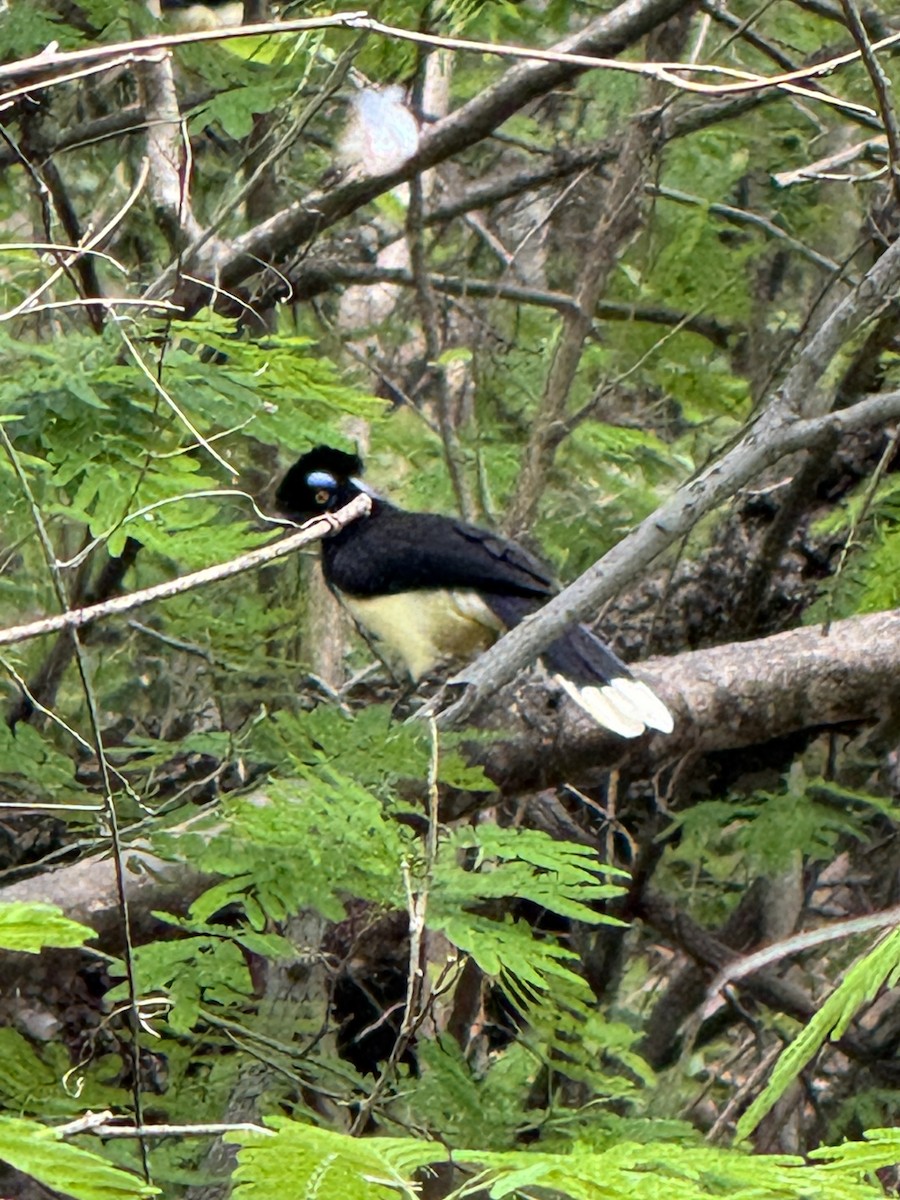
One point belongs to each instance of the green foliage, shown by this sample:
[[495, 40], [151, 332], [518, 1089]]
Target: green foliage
[[44, 1084], [32, 764], [306, 843], [880, 1148], [298, 1161], [301, 1161], [25, 30], [869, 580], [462, 1107], [558, 876], [322, 838], [152, 430], [29, 927], [765, 830], [191, 972], [581, 1044], [635, 1172], [39, 1152], [879, 968], [369, 746], [612, 477]]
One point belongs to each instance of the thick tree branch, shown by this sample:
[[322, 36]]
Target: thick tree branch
[[778, 432], [86, 891], [509, 182], [725, 698]]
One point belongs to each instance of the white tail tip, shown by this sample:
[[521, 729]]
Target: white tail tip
[[646, 704], [624, 706]]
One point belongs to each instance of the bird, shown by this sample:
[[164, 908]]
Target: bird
[[188, 16], [428, 590], [381, 132]]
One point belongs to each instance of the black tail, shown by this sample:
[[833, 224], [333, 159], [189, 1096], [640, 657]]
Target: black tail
[[594, 677]]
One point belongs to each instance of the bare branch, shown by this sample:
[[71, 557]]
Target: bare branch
[[79, 617], [620, 217], [168, 152], [882, 88], [741, 967], [314, 276], [778, 432]]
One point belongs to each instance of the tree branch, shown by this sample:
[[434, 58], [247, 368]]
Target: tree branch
[[776, 433], [724, 698], [881, 85], [620, 217], [280, 236], [77, 618], [314, 276]]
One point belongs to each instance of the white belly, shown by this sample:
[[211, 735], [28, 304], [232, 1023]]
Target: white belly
[[427, 628]]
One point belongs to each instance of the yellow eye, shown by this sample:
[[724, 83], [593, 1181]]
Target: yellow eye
[[322, 496]]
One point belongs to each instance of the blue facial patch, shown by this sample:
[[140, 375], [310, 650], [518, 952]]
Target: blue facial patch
[[321, 479]]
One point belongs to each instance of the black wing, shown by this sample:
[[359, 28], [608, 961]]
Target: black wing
[[395, 551]]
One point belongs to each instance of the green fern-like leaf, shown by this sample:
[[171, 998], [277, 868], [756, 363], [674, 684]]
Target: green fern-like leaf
[[37, 1083], [298, 1162], [190, 972], [307, 843], [30, 927], [879, 968], [879, 1149], [38, 1151], [665, 1172], [525, 863], [302, 1161]]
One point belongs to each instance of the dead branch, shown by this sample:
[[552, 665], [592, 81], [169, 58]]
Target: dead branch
[[778, 432], [725, 698], [79, 617]]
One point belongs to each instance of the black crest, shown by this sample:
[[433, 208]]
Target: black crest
[[316, 481]]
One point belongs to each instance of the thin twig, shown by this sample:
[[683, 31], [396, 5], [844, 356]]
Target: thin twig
[[667, 72], [417, 906], [170, 400], [882, 88], [619, 218], [315, 276], [77, 618], [741, 216], [741, 967], [105, 1125], [428, 315], [87, 248], [84, 672]]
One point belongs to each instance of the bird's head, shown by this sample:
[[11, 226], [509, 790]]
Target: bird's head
[[321, 480]]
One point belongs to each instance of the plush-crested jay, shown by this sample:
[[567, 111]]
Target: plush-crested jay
[[429, 589]]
